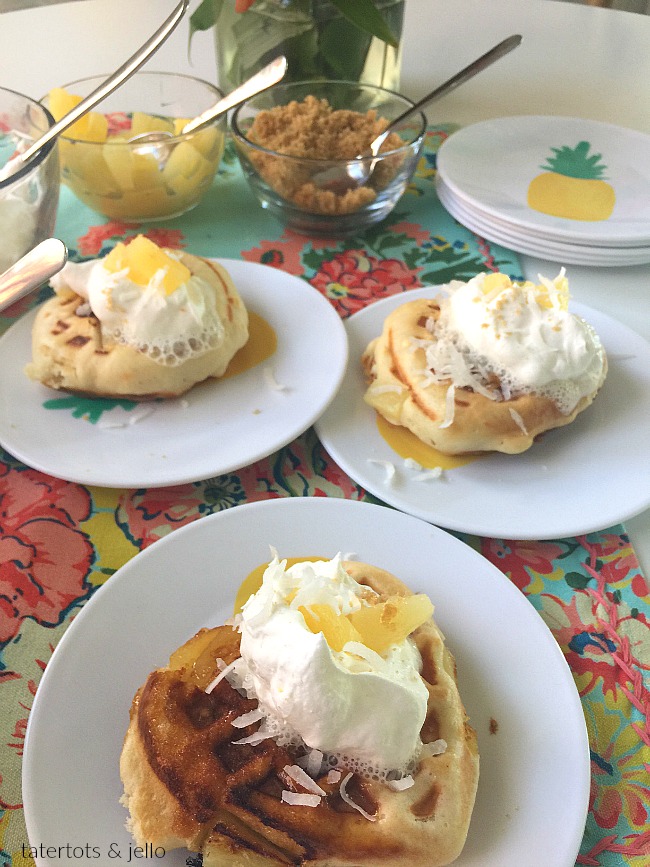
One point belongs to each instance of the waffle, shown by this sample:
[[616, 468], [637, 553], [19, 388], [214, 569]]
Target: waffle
[[186, 784], [396, 389], [70, 352]]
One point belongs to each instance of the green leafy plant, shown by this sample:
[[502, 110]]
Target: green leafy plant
[[320, 39]]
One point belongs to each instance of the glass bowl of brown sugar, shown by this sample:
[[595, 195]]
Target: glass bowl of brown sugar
[[303, 148]]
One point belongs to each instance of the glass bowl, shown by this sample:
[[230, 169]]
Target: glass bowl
[[29, 198], [279, 137], [139, 181]]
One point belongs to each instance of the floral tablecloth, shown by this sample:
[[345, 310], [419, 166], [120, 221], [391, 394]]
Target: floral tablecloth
[[60, 541]]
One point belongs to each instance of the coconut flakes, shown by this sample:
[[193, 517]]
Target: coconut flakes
[[271, 381], [247, 719], [450, 407], [518, 421], [402, 784], [348, 800], [388, 466], [298, 799], [303, 779]]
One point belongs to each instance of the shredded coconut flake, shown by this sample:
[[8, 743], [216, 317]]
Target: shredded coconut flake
[[388, 466], [217, 680], [297, 799], [425, 475], [348, 800], [333, 776], [450, 407], [271, 381], [255, 738], [518, 420], [411, 464], [435, 748], [247, 719], [402, 784], [303, 779]]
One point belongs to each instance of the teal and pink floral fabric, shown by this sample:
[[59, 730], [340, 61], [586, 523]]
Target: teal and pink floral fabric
[[60, 541]]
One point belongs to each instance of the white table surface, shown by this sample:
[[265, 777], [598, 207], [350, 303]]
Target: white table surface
[[574, 60]]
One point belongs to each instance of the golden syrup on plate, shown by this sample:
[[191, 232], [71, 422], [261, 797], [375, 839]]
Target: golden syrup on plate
[[407, 445], [262, 343], [253, 581]]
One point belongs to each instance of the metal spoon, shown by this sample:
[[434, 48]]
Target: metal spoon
[[112, 83], [30, 272], [265, 78], [355, 174]]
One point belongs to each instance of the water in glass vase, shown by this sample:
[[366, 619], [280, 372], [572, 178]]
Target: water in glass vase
[[318, 41]]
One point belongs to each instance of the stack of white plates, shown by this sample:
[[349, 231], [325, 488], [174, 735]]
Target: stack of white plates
[[567, 189]]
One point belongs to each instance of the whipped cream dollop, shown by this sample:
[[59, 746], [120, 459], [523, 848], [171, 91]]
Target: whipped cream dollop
[[522, 333], [168, 327], [358, 708]]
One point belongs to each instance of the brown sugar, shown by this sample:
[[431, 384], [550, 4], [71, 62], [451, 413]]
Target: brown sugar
[[313, 130]]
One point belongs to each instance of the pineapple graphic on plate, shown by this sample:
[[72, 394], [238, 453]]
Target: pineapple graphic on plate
[[572, 185]]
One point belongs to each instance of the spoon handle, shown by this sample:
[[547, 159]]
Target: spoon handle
[[478, 65], [266, 77], [35, 267], [112, 82]]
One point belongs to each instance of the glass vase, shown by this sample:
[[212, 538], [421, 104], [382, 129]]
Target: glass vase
[[318, 41]]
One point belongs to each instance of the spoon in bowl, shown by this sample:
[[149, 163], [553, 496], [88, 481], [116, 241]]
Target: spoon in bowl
[[265, 78], [114, 81], [358, 171], [32, 270]]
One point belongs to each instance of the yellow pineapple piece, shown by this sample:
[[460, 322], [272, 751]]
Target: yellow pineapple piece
[[197, 658], [60, 102], [145, 171], [186, 169], [336, 628], [494, 283], [141, 123], [120, 161], [391, 621], [91, 127], [143, 259], [179, 123]]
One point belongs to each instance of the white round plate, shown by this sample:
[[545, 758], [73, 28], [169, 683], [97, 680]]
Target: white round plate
[[217, 427], [586, 476], [526, 242], [490, 165], [534, 786]]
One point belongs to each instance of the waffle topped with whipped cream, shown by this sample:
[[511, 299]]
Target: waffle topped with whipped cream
[[486, 365], [261, 743], [142, 322]]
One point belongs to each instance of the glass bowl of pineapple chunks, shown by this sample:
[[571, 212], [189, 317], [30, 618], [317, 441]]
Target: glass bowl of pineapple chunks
[[112, 168]]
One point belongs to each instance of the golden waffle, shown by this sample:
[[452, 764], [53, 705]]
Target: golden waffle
[[70, 352], [394, 370], [187, 784]]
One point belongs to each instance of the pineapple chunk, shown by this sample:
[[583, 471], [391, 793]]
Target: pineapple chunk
[[143, 259], [91, 127], [336, 628], [391, 621], [120, 162], [141, 123], [179, 123], [494, 283], [197, 658]]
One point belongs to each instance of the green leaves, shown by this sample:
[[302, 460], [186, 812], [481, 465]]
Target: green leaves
[[365, 15], [362, 13]]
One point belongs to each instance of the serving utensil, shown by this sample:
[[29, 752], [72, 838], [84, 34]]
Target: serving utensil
[[271, 74], [112, 83], [357, 172], [32, 270]]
